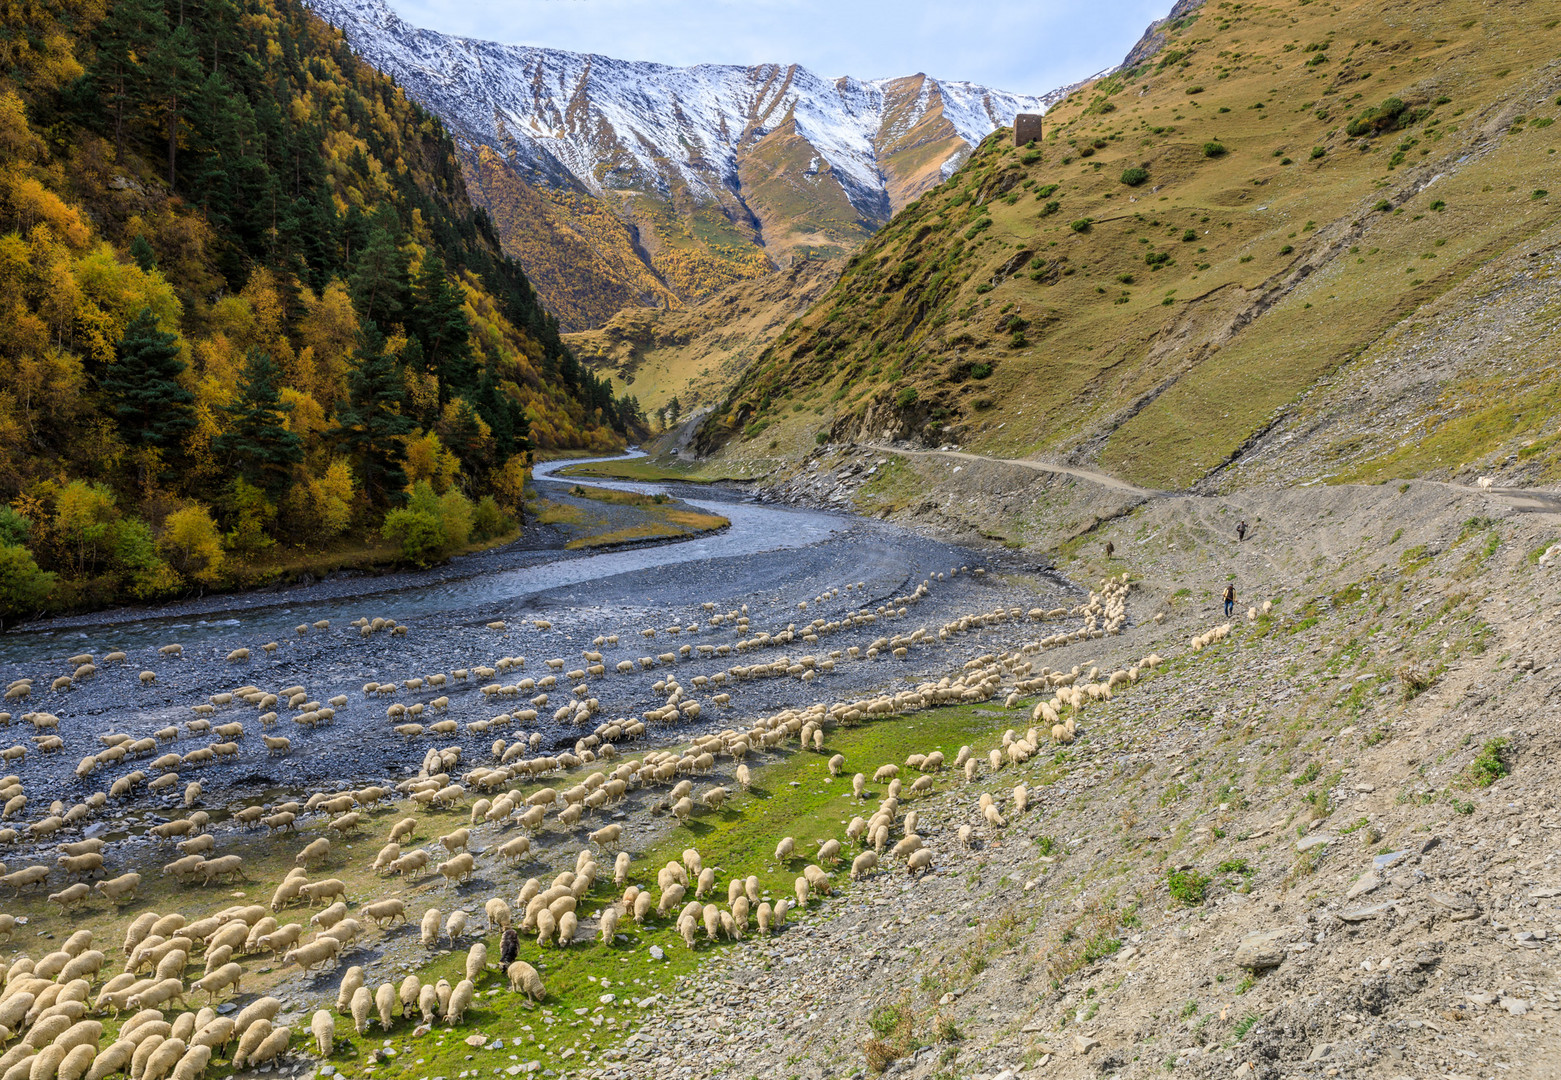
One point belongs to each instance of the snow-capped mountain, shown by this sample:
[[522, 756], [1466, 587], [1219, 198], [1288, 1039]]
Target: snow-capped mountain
[[706, 174]]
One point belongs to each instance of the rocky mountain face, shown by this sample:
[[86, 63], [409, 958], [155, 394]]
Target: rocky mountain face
[[619, 183]]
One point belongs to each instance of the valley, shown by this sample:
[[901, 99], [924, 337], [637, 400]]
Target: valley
[[851, 596]]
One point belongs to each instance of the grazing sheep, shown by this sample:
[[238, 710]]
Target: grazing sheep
[[316, 851], [460, 1001], [225, 976], [323, 1027], [385, 912], [317, 952], [476, 961], [385, 1001], [348, 986], [458, 869], [524, 978]]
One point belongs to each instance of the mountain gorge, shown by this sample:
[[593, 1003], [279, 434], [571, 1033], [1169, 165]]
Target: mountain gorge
[[621, 184]]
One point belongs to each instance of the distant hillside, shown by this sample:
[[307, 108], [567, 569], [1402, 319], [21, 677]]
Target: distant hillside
[[618, 183], [1311, 240], [696, 353]]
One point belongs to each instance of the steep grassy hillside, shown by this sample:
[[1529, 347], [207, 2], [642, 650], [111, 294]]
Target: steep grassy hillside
[[695, 353], [247, 310], [1205, 239]]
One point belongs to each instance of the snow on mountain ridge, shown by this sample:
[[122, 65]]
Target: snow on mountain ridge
[[615, 124]]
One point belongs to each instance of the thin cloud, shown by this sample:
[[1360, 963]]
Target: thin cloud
[[1024, 46]]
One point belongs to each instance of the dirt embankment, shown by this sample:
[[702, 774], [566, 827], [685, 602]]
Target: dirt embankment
[[1325, 847]]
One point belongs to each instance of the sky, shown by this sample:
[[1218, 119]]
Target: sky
[[1023, 46]]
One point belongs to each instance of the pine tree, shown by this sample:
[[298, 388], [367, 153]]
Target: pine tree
[[372, 421], [379, 281], [128, 34], [258, 445], [142, 386], [174, 70], [439, 320], [141, 251]]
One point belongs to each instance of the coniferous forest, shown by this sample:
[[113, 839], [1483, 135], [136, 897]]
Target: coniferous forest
[[247, 311]]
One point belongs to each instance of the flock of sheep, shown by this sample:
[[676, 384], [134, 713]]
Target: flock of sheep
[[49, 999]]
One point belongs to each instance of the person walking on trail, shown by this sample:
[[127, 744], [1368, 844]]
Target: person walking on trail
[[1241, 532], [1230, 599]]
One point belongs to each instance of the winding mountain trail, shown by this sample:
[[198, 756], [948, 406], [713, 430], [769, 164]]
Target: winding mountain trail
[[1090, 475]]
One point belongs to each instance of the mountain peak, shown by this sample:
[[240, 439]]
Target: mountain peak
[[714, 172]]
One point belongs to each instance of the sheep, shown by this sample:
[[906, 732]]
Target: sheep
[[385, 912], [268, 1049], [497, 913], [323, 1027], [349, 985], [476, 961], [83, 865], [222, 866], [387, 855], [225, 976], [316, 891], [455, 926], [524, 978], [403, 830], [316, 952], [385, 1001], [458, 869], [71, 895], [316, 851], [460, 1001], [862, 864]]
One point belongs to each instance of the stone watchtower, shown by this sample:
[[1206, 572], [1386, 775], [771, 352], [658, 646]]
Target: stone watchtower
[[1027, 126]]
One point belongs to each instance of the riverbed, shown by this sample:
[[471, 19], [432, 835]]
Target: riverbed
[[768, 562]]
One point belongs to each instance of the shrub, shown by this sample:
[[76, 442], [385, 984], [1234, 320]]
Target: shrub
[[1081, 225], [1188, 887], [1381, 206], [1318, 151], [1189, 235], [1539, 193], [251, 513], [1134, 176], [1050, 208], [1287, 249], [455, 517], [906, 397], [1212, 149], [1157, 259], [1491, 764], [326, 501], [1031, 157], [418, 533], [1195, 90], [192, 544], [23, 587], [14, 528], [1439, 206], [982, 370], [488, 520], [1394, 113]]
